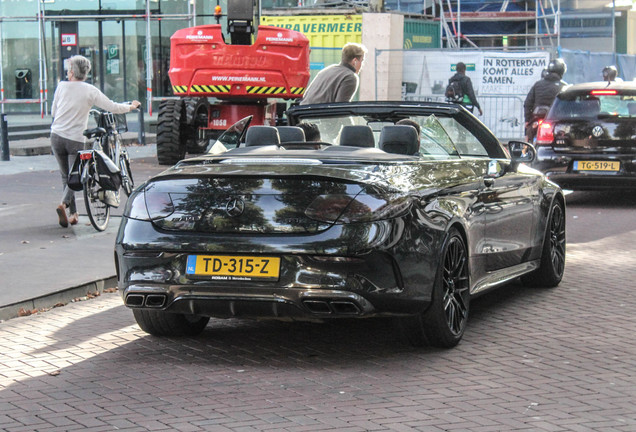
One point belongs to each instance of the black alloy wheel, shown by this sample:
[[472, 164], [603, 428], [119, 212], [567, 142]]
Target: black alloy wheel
[[443, 324], [552, 265], [455, 285]]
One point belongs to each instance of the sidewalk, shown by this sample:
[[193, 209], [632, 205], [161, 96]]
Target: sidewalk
[[43, 264]]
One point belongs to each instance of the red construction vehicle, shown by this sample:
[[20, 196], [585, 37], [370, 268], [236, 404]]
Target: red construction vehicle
[[244, 77]]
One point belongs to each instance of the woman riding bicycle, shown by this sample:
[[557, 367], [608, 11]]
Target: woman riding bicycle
[[71, 104]]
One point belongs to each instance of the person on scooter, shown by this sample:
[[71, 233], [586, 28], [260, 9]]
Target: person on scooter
[[542, 94], [610, 73]]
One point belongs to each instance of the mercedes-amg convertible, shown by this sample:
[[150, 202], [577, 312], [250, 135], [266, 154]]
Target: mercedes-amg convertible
[[400, 210]]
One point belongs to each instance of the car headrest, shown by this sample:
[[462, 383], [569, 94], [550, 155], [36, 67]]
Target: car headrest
[[262, 135], [400, 139], [631, 108], [290, 134], [357, 136]]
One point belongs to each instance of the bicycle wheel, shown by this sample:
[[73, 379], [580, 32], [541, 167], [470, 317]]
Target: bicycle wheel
[[127, 181], [98, 211]]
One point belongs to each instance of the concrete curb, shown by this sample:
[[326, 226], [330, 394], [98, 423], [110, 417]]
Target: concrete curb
[[30, 151], [63, 296]]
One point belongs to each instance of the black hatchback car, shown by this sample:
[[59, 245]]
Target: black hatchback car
[[588, 139]]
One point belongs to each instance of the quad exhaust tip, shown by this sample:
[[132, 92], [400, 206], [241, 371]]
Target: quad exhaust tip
[[149, 300], [332, 307]]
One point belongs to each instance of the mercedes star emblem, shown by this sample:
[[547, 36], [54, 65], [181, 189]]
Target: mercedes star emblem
[[235, 207], [597, 131]]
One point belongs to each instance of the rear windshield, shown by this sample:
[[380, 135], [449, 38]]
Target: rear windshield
[[590, 106]]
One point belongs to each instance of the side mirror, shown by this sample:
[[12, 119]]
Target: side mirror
[[521, 152]]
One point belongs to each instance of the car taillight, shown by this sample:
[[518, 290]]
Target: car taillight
[[545, 136], [340, 208], [603, 92], [149, 205]]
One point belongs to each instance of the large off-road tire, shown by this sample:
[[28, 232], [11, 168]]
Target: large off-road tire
[[552, 266], [442, 325], [195, 129], [171, 145], [160, 323]]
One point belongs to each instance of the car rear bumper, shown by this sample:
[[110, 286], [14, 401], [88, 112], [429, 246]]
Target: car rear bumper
[[559, 168], [311, 285]]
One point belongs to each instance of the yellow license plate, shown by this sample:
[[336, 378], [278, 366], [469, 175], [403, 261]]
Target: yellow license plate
[[225, 267], [597, 165]]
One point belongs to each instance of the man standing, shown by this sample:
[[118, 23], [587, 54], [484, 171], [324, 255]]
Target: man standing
[[338, 82], [464, 89], [542, 94]]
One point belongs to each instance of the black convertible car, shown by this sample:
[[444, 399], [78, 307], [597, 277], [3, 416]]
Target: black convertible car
[[375, 219]]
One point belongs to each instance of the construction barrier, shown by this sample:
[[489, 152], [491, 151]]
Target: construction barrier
[[503, 114]]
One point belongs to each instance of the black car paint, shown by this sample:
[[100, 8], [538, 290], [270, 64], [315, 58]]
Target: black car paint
[[406, 244]]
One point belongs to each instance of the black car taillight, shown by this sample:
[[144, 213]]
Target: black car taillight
[[545, 135], [149, 205], [341, 208]]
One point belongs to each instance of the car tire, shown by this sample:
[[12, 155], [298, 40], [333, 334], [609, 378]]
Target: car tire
[[442, 325], [552, 266], [195, 130], [171, 147], [160, 323]]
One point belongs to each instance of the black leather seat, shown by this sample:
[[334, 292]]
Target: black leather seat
[[357, 136], [290, 134], [400, 139], [262, 135]]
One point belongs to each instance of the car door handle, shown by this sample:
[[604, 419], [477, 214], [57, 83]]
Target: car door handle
[[489, 181]]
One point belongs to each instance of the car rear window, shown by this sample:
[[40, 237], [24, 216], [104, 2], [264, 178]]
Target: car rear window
[[587, 106]]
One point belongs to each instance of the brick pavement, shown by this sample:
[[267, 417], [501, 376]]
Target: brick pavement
[[531, 360]]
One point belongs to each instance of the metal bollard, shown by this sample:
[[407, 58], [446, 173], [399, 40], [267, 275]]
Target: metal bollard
[[4, 138], [142, 133]]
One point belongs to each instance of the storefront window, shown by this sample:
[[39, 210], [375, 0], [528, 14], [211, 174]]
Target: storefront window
[[111, 33]]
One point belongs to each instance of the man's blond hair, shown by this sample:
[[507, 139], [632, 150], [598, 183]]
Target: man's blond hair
[[353, 50]]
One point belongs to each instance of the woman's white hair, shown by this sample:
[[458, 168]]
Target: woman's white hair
[[80, 66]]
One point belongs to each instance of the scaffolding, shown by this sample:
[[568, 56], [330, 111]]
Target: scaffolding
[[545, 15], [42, 18]]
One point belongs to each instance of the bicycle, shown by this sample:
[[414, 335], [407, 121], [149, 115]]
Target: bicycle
[[101, 189]]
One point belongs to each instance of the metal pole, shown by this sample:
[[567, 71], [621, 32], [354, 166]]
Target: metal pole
[[123, 52], [536, 24], [148, 60], [614, 30], [4, 138], [1, 76], [558, 20], [459, 24], [41, 82], [375, 72], [45, 73], [100, 55], [141, 135]]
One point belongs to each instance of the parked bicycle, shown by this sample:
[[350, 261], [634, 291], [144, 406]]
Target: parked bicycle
[[105, 168]]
